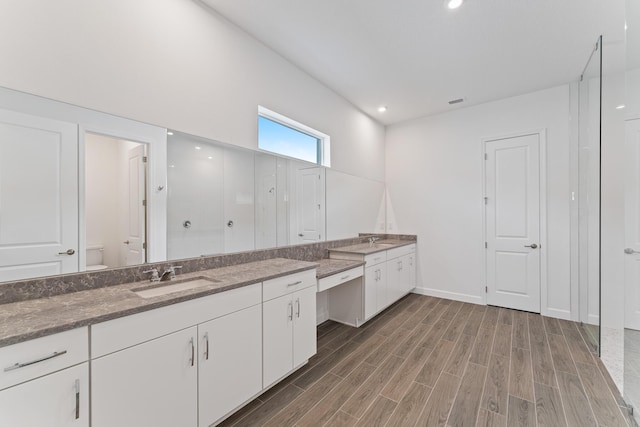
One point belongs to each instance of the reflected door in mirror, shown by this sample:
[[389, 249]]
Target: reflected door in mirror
[[38, 196]]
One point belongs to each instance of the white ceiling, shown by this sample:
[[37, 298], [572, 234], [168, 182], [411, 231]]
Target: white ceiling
[[416, 55]]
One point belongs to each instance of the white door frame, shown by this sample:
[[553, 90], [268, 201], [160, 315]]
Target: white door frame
[[542, 135]]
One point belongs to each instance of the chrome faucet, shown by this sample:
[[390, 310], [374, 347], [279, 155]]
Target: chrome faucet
[[155, 277], [373, 240], [169, 273]]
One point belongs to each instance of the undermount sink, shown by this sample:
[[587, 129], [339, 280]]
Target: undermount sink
[[165, 288], [383, 245]]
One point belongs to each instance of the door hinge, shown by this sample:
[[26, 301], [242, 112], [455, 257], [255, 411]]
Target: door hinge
[[144, 203], [486, 200], [486, 156], [318, 206], [144, 245], [485, 245], [486, 289], [319, 237], [144, 159]]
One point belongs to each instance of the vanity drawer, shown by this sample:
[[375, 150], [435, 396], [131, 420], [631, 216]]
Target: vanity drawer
[[339, 278], [375, 258], [285, 285], [401, 251], [41, 356]]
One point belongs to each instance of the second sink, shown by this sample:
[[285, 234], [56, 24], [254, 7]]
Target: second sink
[[174, 286]]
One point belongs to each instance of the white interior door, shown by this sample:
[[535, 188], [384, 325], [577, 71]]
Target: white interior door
[[38, 196], [632, 226], [135, 243], [512, 183], [310, 204]]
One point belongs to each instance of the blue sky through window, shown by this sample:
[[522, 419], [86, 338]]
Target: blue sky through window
[[278, 138]]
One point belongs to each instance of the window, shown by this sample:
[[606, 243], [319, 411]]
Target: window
[[281, 135]]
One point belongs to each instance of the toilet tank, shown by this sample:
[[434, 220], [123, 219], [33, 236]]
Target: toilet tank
[[94, 254]]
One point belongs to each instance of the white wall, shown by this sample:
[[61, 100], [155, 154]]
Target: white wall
[[354, 205], [434, 182], [175, 64]]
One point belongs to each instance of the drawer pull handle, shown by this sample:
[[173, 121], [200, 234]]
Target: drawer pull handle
[[345, 277], [294, 283], [290, 311], [33, 362], [77, 399], [193, 351], [298, 307]]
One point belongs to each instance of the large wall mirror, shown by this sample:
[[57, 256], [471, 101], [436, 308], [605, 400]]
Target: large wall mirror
[[83, 190]]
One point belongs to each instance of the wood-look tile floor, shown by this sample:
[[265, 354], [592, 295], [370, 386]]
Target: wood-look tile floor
[[428, 361]]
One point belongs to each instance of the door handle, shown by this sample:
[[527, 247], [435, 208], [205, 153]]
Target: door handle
[[300, 235], [77, 387], [532, 246], [67, 252], [630, 251], [126, 242], [206, 343]]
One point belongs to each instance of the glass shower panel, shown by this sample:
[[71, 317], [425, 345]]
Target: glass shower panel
[[632, 210], [589, 197]]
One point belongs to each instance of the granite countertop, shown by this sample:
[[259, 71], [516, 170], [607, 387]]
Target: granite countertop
[[329, 267], [25, 320], [379, 246]]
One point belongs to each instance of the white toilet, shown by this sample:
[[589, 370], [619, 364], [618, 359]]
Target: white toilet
[[94, 258]]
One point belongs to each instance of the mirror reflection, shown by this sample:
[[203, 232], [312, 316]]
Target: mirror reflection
[[83, 190], [115, 202], [224, 199]]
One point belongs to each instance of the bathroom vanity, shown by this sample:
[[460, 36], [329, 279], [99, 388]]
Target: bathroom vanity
[[188, 351], [389, 274]]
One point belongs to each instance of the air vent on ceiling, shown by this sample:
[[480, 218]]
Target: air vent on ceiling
[[456, 101]]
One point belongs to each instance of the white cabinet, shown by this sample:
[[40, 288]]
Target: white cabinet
[[60, 399], [230, 363], [304, 325], [289, 324], [376, 292], [389, 275], [150, 384], [186, 365], [45, 381]]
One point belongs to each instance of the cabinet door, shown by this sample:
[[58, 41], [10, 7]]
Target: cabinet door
[[151, 384], [277, 338], [230, 363], [412, 271], [370, 291], [382, 299], [394, 280], [55, 400], [304, 325]]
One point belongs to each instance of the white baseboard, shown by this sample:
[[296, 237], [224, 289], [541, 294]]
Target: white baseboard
[[321, 317], [593, 319], [473, 299], [558, 314]]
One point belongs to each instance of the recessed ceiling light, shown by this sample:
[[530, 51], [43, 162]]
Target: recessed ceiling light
[[172, 166], [197, 148], [210, 157], [620, 107], [382, 108], [454, 4], [169, 132]]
